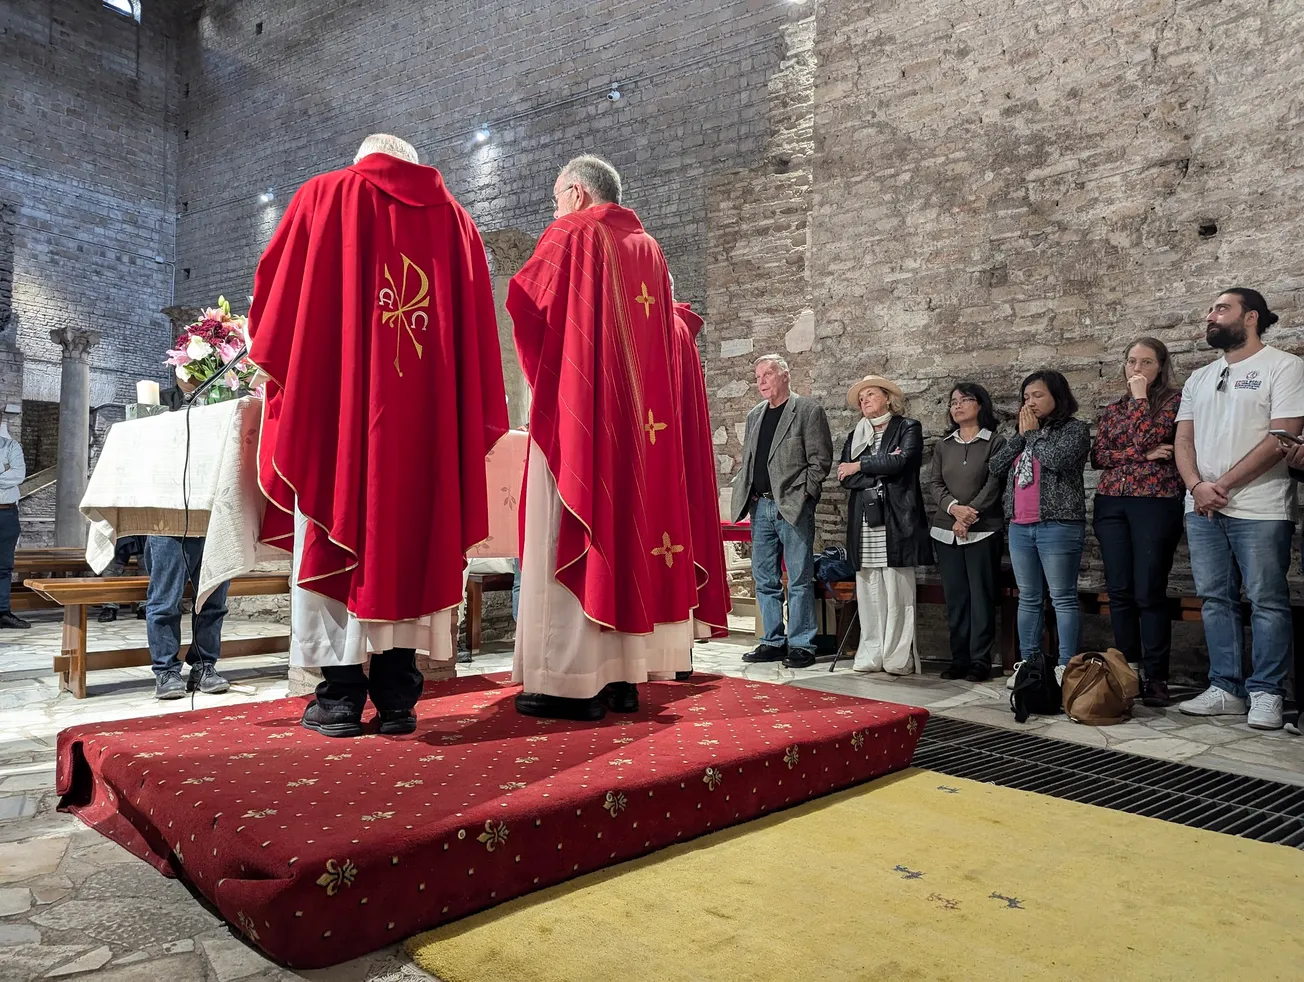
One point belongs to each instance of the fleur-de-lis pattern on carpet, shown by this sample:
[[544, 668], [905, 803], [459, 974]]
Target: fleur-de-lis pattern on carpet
[[321, 850]]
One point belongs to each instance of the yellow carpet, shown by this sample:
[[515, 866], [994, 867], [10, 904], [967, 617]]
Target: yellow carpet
[[915, 876]]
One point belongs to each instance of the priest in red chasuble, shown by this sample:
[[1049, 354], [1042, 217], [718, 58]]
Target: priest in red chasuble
[[713, 603], [373, 318], [608, 571]]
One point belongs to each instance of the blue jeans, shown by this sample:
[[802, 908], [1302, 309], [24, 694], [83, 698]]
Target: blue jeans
[[1049, 553], [170, 568], [772, 538], [1226, 552]]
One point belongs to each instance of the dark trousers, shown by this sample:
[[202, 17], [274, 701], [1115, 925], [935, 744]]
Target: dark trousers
[[1138, 537], [394, 683], [8, 543], [970, 575]]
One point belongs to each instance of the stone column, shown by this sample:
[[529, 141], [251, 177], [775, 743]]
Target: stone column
[[508, 250], [74, 434]]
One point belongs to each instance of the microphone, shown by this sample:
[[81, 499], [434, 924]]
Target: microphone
[[207, 384]]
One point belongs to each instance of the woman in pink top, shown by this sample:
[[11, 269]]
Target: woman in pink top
[[1046, 506]]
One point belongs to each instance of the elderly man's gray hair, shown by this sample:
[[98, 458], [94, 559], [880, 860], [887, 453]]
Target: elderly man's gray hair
[[596, 176], [778, 361], [387, 144]]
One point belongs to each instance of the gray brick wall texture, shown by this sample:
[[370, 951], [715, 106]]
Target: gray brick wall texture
[[87, 178], [297, 99]]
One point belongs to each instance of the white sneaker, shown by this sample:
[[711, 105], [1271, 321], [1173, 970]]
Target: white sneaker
[[1214, 701], [1009, 682], [1265, 711], [1059, 674]]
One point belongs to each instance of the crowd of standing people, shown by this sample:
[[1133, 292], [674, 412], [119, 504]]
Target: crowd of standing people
[[1216, 458]]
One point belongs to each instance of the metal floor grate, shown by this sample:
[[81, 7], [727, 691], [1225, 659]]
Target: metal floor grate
[[1250, 807]]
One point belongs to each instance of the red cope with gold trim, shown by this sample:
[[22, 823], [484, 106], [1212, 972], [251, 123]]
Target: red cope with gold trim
[[713, 603], [594, 330], [374, 316]]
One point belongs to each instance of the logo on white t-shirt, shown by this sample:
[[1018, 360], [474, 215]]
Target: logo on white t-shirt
[[1251, 381]]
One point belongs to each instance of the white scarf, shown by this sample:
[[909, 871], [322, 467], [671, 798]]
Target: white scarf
[[864, 433]]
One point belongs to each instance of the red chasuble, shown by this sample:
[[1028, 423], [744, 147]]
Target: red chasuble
[[713, 603], [374, 316], [594, 326]]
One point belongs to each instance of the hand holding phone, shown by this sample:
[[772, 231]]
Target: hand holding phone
[[1286, 437]]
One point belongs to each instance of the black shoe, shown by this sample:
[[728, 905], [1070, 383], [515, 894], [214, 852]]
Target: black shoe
[[331, 723], [396, 722], [463, 657], [955, 672], [204, 677], [140, 612], [799, 658], [621, 697], [684, 676], [13, 622], [1155, 693], [766, 652], [556, 707], [107, 615], [169, 686], [978, 673]]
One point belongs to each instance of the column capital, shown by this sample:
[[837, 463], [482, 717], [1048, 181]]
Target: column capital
[[75, 343], [508, 250]]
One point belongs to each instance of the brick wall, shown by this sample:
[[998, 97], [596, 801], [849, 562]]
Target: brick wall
[[87, 176], [1037, 184], [297, 98], [40, 437]]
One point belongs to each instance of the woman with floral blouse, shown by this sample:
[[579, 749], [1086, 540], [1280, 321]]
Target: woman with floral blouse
[[1138, 511]]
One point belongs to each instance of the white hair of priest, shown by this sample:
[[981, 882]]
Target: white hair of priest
[[596, 176], [391, 145]]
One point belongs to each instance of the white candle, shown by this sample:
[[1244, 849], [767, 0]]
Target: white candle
[[147, 393]]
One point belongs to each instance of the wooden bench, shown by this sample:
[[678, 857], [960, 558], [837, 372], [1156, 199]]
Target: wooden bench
[[75, 594], [477, 585], [43, 564], [843, 594]]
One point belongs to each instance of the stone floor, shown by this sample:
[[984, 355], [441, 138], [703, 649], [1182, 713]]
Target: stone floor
[[73, 903]]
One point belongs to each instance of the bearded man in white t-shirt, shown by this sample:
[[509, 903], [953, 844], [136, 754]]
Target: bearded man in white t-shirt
[[1240, 504]]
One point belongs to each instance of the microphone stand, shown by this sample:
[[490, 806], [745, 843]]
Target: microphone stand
[[208, 383]]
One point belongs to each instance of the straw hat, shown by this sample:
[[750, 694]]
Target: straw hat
[[878, 382]]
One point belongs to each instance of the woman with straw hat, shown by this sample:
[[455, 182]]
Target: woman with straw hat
[[887, 528]]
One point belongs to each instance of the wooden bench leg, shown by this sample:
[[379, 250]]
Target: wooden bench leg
[[474, 613], [74, 648]]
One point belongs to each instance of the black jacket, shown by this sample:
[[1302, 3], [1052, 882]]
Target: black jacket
[[908, 541]]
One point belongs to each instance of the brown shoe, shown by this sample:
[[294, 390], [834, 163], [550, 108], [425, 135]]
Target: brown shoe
[[1155, 693]]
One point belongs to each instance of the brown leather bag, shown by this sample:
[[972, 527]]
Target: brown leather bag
[[1099, 688]]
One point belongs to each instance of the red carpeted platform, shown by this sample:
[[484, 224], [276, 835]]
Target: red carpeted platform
[[321, 850]]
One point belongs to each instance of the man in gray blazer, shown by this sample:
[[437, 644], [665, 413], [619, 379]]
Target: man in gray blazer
[[787, 453]]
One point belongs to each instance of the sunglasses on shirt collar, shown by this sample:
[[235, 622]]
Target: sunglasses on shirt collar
[[1222, 379]]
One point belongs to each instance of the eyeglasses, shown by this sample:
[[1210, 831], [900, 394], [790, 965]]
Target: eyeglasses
[[556, 198], [1222, 379], [962, 401]]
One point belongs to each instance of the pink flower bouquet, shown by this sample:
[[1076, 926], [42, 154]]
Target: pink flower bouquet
[[208, 344]]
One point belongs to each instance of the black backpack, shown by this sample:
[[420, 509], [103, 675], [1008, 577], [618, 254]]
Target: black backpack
[[1035, 689]]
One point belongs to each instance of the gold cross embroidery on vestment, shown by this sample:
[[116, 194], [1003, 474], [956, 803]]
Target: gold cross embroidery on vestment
[[667, 550], [404, 308]]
